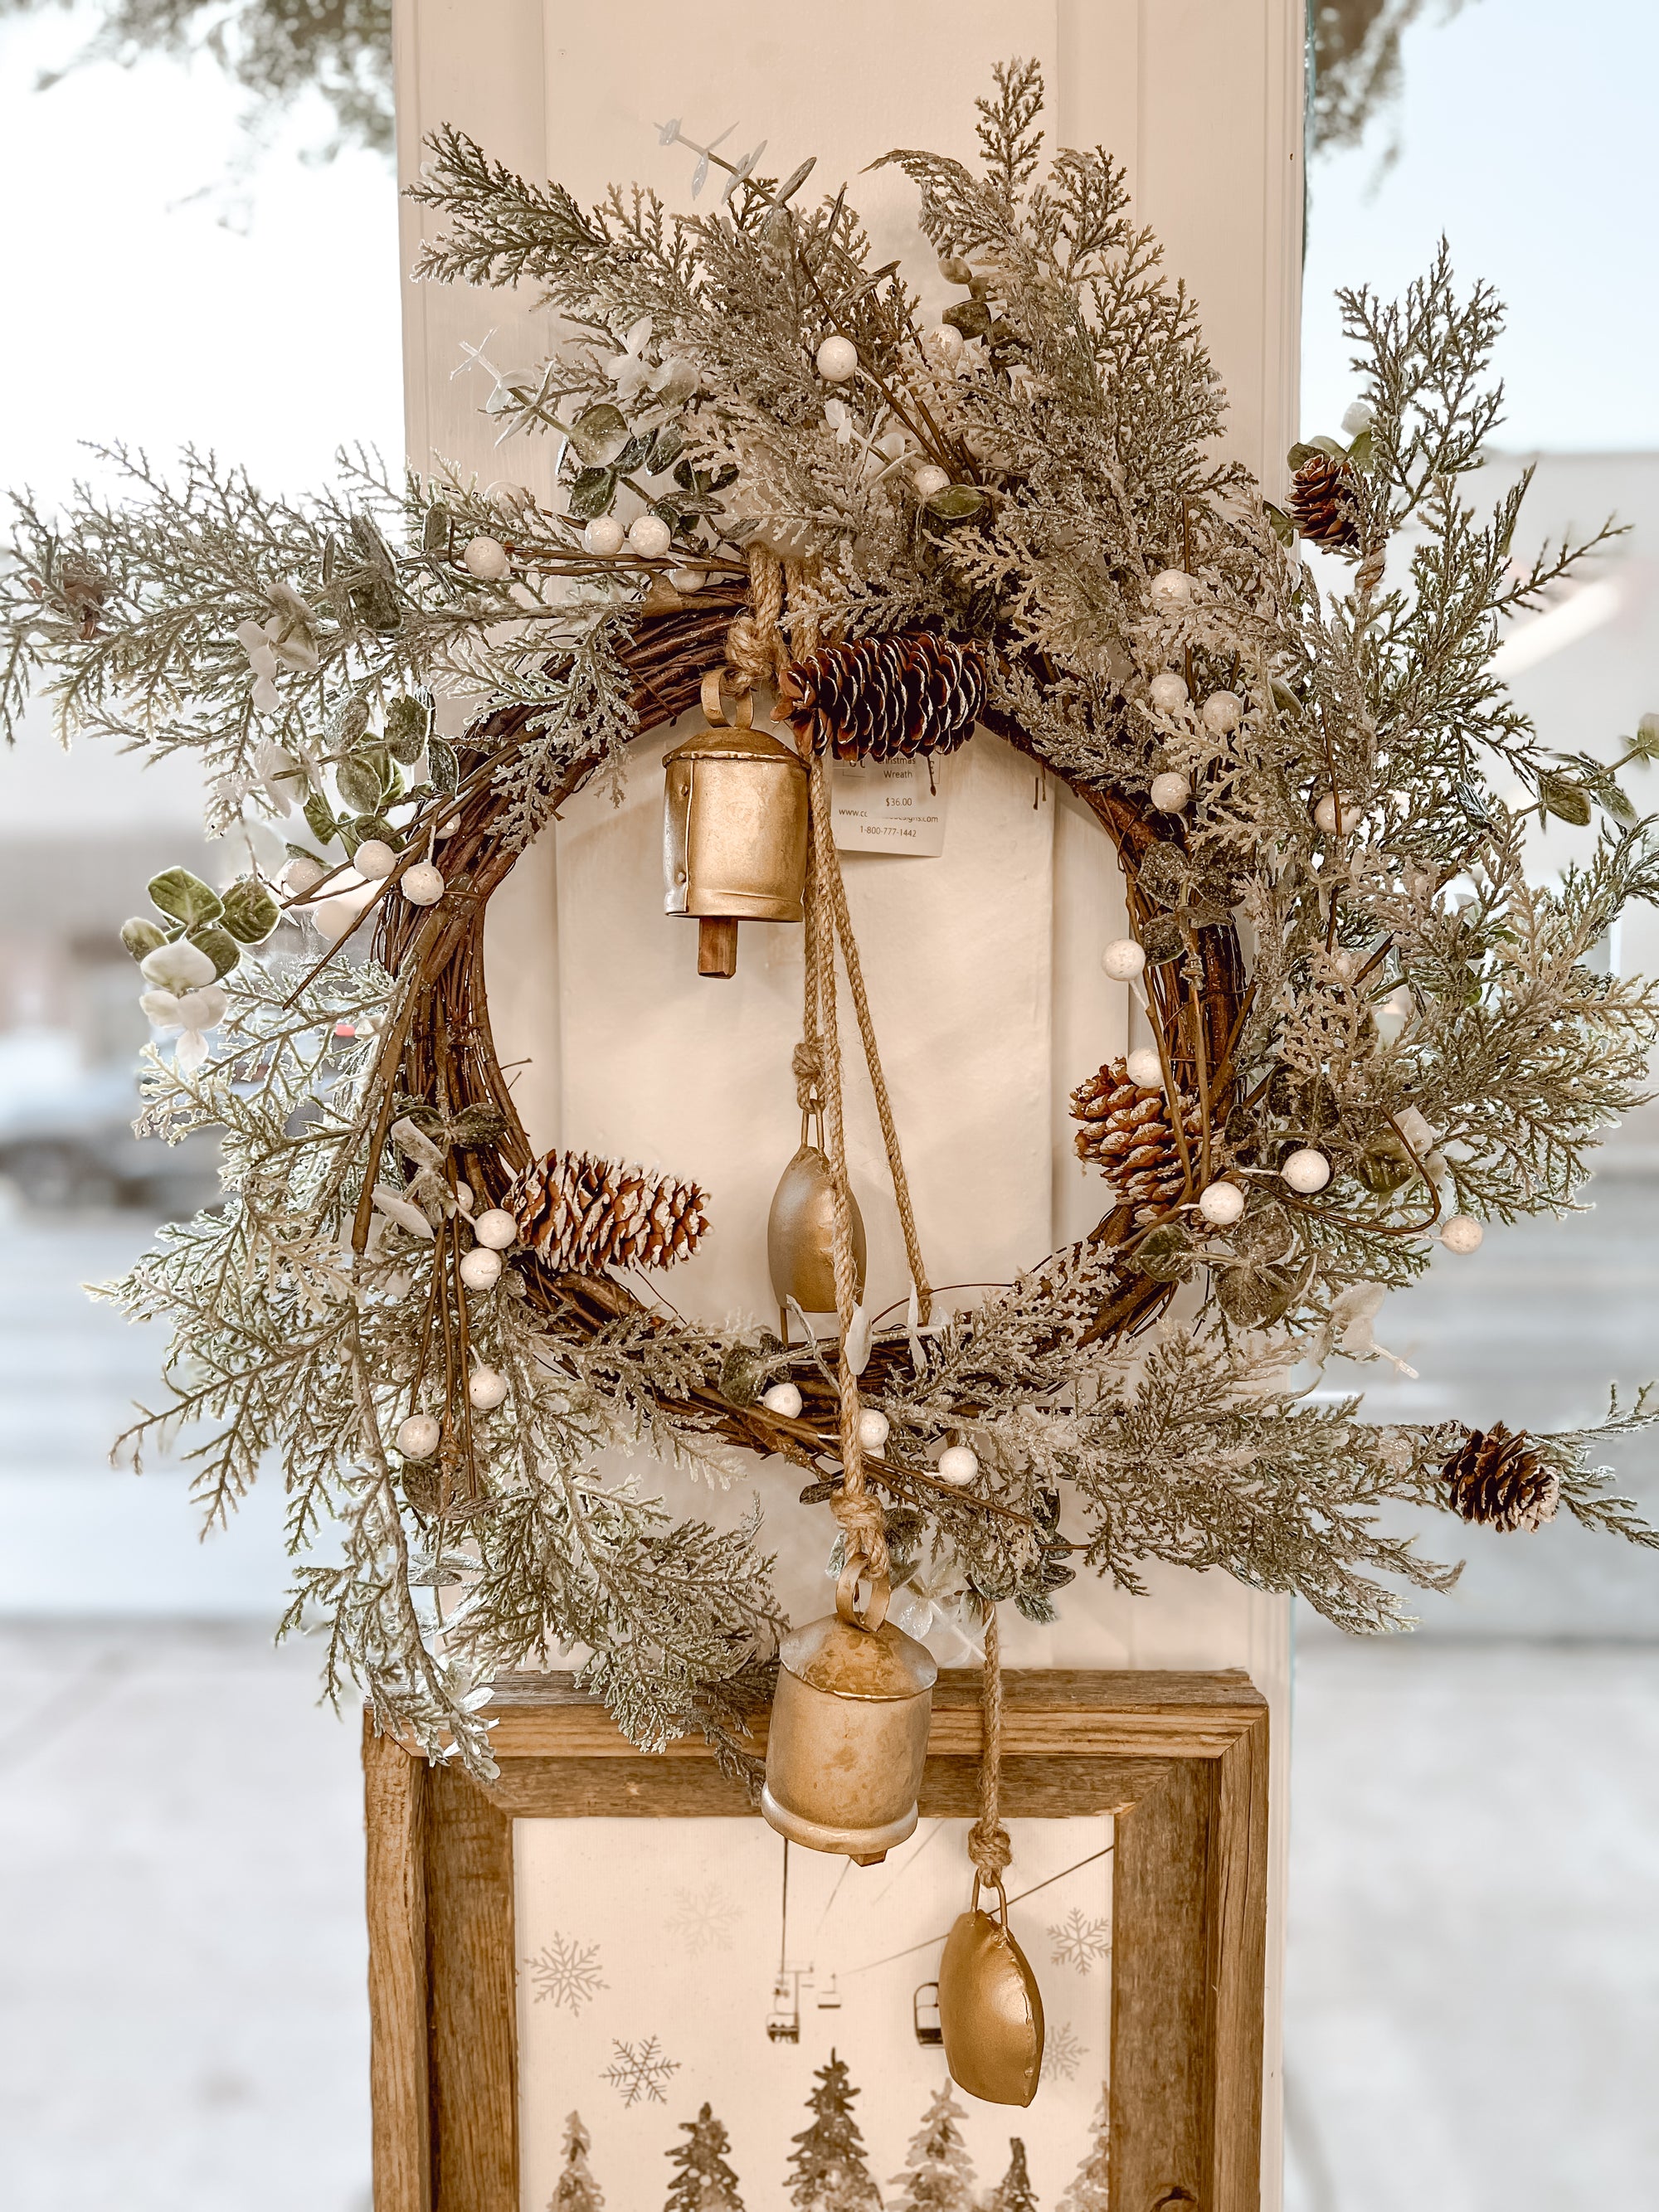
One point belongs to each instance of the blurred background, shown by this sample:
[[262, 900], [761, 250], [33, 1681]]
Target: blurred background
[[205, 249]]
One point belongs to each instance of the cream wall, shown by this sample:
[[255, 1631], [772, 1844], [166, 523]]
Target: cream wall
[[983, 964]]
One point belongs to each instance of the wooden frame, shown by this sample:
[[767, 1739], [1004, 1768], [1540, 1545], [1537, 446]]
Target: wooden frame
[[1181, 1758]]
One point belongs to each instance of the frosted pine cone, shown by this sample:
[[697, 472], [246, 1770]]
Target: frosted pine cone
[[1498, 1480], [887, 697], [1127, 1131], [1322, 505], [579, 1214]]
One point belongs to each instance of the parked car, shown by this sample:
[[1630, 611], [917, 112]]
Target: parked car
[[66, 1134]]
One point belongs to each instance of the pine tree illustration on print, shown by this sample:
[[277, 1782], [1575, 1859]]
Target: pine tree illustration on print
[[1014, 2192], [830, 2171], [1088, 2190], [705, 2183], [939, 2174], [577, 2190]]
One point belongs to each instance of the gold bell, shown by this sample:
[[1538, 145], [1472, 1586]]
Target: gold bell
[[990, 2008], [734, 830], [848, 1734], [800, 1250]]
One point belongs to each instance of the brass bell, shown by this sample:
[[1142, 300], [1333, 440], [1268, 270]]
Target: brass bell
[[848, 1734], [990, 2008], [734, 831], [801, 1234]]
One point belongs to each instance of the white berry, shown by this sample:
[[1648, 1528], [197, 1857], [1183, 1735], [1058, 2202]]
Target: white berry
[[374, 859], [1463, 1234], [1222, 712], [837, 360], [486, 1388], [649, 535], [1171, 588], [1307, 1170], [496, 1230], [1221, 1203], [783, 1399], [481, 1269], [419, 1437], [448, 826], [946, 343], [1335, 814], [688, 580], [1123, 959], [873, 1427], [486, 559], [1171, 792], [957, 1465], [423, 884], [1169, 692], [1144, 1067], [604, 536], [930, 478], [302, 876]]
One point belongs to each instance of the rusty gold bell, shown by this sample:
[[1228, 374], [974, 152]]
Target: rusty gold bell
[[990, 2008], [848, 1734], [734, 830], [801, 1234]]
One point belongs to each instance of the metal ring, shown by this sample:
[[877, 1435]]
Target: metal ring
[[1002, 1895], [874, 1612]]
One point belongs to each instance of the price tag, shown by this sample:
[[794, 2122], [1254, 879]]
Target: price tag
[[887, 806]]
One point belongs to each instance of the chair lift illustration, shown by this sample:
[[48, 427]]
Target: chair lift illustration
[[829, 1996], [925, 2008], [783, 2021]]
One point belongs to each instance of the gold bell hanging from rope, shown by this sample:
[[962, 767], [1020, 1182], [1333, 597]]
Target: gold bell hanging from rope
[[848, 1734], [990, 2010], [734, 830], [800, 1232]]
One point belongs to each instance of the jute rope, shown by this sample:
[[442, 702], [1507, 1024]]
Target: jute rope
[[988, 1846]]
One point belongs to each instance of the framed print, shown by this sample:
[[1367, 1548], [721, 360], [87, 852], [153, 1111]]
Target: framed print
[[602, 1980]]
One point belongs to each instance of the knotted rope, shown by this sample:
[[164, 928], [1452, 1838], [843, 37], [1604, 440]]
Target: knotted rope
[[988, 1846], [756, 654]]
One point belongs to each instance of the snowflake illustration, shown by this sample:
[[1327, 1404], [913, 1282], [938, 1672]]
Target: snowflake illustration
[[704, 1918], [567, 1973], [636, 2074], [1062, 2054], [1081, 1942]]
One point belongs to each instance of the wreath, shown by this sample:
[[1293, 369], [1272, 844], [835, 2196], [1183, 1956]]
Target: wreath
[[1371, 1029]]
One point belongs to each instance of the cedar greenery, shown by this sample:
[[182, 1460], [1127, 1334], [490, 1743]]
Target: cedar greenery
[[1415, 1006]]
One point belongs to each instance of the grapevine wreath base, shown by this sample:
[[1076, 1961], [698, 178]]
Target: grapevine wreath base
[[1373, 1029]]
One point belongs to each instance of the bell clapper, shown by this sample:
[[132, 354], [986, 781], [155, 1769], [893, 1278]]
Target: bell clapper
[[717, 945]]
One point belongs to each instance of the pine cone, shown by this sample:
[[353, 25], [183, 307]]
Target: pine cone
[[1499, 1481], [1127, 1131], [580, 1215], [1323, 503], [887, 697]]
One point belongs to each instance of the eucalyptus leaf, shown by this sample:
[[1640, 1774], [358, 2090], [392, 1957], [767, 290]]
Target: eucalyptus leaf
[[1360, 452], [443, 766], [633, 456], [360, 783], [351, 720], [1645, 742], [971, 317], [220, 946], [955, 504], [319, 819], [250, 912], [407, 720], [1300, 455], [667, 447], [185, 897], [1165, 1254], [599, 434], [1283, 528], [592, 495], [435, 531], [140, 936], [1568, 800]]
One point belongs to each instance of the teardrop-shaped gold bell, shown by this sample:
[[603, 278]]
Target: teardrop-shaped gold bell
[[800, 1234], [990, 2008]]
